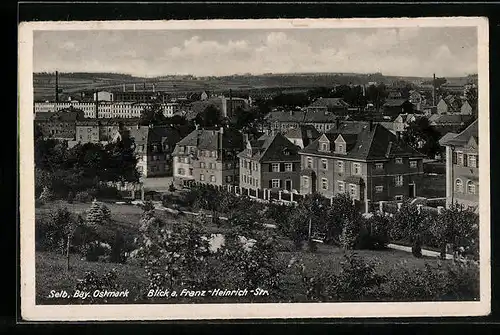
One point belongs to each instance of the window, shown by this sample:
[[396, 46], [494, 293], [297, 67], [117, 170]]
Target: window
[[186, 160], [181, 149], [324, 184], [398, 197], [275, 167], [212, 179], [244, 178], [202, 177], [459, 186], [305, 182], [413, 164], [398, 180], [399, 160], [472, 161], [356, 168], [341, 186], [340, 166], [202, 165], [275, 183], [288, 167], [212, 166], [471, 188], [324, 164], [352, 190], [229, 179], [180, 171], [379, 189], [324, 146], [379, 166], [309, 162], [460, 160], [214, 153], [340, 148]]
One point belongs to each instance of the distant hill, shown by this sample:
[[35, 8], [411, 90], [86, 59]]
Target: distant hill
[[71, 83]]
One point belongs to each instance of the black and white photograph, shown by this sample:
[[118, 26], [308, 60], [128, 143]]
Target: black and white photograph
[[234, 169]]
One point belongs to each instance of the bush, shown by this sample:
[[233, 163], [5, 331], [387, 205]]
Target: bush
[[171, 187], [94, 250], [107, 192], [312, 246], [350, 234], [98, 214], [70, 197], [374, 233], [83, 196], [454, 281], [92, 281]]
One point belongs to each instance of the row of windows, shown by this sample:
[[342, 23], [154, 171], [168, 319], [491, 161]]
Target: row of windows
[[212, 178], [459, 186], [276, 167], [251, 180], [467, 160], [355, 167], [353, 188], [182, 171], [398, 181], [249, 165]]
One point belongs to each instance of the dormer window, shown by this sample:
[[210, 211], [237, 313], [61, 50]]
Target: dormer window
[[324, 146], [340, 145]]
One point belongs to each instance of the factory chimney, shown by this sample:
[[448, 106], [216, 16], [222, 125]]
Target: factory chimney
[[230, 103], [153, 88], [134, 87], [144, 86], [96, 104], [57, 86], [123, 87]]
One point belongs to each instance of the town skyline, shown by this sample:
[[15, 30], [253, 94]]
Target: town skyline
[[449, 51]]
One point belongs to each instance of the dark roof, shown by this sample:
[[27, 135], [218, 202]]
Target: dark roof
[[207, 139], [63, 115], [395, 102], [450, 118], [462, 138], [365, 144], [307, 133], [272, 147], [330, 103], [302, 117]]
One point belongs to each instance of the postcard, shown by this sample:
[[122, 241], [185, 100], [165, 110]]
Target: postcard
[[254, 169]]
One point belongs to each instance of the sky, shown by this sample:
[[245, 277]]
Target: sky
[[419, 51]]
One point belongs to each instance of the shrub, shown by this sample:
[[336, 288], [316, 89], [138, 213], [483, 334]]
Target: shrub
[[374, 233], [83, 196], [94, 250], [171, 187], [312, 246], [51, 232], [107, 192], [118, 249], [91, 281], [350, 234], [98, 214]]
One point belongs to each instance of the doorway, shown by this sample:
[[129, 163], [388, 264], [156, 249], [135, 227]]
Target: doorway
[[411, 192], [288, 184]]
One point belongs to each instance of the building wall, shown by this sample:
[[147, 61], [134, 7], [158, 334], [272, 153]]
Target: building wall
[[184, 163], [267, 175], [55, 129], [87, 133], [442, 107], [465, 174]]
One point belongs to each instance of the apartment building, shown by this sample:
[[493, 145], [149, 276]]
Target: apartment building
[[462, 166], [208, 156], [270, 162], [58, 125], [154, 146], [363, 159]]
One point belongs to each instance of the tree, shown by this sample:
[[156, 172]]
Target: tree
[[46, 194], [456, 226], [153, 115], [98, 214], [421, 136], [210, 117], [411, 225]]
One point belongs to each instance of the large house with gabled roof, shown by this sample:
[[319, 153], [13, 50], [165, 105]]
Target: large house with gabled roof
[[270, 162], [363, 159]]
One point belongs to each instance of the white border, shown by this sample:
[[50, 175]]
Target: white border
[[32, 312]]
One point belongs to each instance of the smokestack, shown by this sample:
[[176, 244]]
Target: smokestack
[[57, 86], [134, 87], [434, 89], [231, 102], [123, 87], [153, 88], [96, 104], [144, 87]]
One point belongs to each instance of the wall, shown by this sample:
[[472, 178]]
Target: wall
[[267, 175]]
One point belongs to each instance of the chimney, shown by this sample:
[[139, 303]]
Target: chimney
[[144, 87], [434, 89], [230, 103], [153, 88], [291, 112], [337, 123], [134, 87], [96, 104], [123, 87], [57, 86]]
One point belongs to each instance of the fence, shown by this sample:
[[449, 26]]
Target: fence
[[392, 207]]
